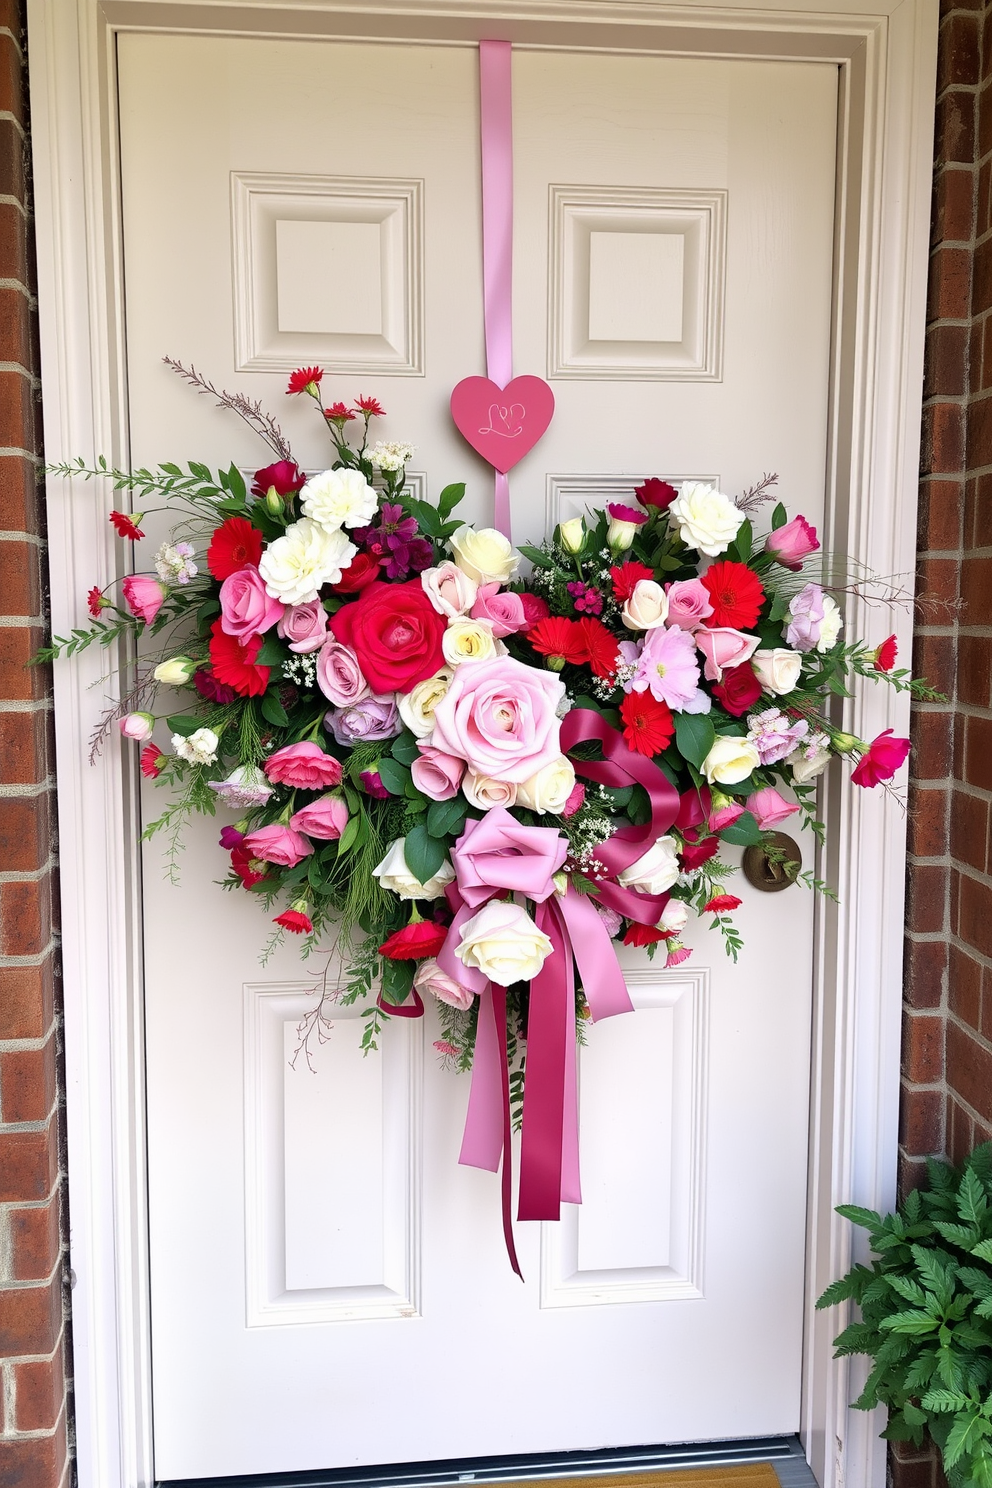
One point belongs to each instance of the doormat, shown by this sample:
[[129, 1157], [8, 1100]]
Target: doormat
[[740, 1475]]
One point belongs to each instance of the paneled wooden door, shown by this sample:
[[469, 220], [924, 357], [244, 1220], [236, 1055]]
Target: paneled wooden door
[[328, 1286]]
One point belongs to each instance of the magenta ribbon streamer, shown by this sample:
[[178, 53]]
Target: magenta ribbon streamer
[[496, 129]]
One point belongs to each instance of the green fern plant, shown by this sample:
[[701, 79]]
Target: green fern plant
[[926, 1316]]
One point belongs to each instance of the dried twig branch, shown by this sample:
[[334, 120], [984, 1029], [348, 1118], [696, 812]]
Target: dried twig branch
[[142, 692], [254, 415], [756, 496]]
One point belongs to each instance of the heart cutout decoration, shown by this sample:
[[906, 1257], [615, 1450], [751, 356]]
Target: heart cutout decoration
[[502, 424]]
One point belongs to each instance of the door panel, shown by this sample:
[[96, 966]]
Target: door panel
[[329, 1286]]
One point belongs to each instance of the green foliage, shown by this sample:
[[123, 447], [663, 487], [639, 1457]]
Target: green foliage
[[926, 1316]]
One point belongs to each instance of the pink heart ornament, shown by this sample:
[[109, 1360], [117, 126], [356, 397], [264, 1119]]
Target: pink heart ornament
[[502, 424]]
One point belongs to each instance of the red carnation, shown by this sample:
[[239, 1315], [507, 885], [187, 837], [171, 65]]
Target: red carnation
[[421, 939], [535, 608], [95, 602], [885, 656], [284, 477], [739, 689], [371, 407], [643, 935], [250, 870], [601, 646], [234, 663], [885, 755], [626, 576], [363, 569], [234, 545], [721, 902], [124, 526], [296, 921], [560, 640], [648, 723], [735, 594], [305, 380], [152, 761], [695, 852], [339, 413], [656, 493]]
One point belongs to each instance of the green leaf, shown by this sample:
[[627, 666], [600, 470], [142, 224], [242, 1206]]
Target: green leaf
[[449, 499], [446, 818], [183, 724], [236, 483], [539, 559], [393, 775], [911, 1322], [744, 832], [694, 735], [349, 836], [405, 749], [397, 979], [740, 548], [273, 710], [272, 652], [983, 1250], [779, 517], [424, 854], [201, 472], [867, 1218]]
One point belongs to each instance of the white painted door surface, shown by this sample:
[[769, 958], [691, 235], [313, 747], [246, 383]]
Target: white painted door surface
[[328, 1286]]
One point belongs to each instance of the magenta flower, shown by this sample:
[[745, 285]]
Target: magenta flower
[[790, 544], [667, 666]]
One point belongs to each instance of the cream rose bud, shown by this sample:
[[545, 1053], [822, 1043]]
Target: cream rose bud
[[417, 706], [503, 943], [550, 788], [656, 870], [469, 640], [647, 606], [674, 917], [394, 874], [449, 590], [486, 556], [830, 625], [572, 535], [707, 520], [731, 759], [430, 978], [778, 670], [175, 671], [485, 792], [807, 767]]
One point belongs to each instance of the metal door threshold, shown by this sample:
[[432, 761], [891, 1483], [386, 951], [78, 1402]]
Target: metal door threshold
[[784, 1453]]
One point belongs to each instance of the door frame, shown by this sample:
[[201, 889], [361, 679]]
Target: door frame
[[886, 56]]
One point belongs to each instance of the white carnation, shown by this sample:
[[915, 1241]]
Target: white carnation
[[200, 748], [339, 498], [830, 625], [707, 520], [297, 565]]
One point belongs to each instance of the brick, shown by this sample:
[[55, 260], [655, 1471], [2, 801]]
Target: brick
[[943, 446], [33, 1462], [29, 1165], [30, 1319], [39, 1393], [978, 514], [955, 215], [26, 917], [970, 830], [25, 833], [954, 130], [958, 55], [978, 752], [934, 658], [945, 370], [939, 514], [980, 430], [17, 407], [923, 1048], [11, 78], [975, 670], [921, 1121], [924, 971], [36, 1241], [27, 1083], [27, 746], [937, 580], [964, 987], [950, 287], [976, 591], [928, 818], [960, 1131], [19, 506], [910, 1173], [918, 1473], [926, 900], [975, 914], [18, 681], [15, 314], [27, 1000]]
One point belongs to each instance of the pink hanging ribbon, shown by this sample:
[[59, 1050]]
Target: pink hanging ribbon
[[496, 122]]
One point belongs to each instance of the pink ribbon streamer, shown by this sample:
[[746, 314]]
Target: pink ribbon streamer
[[496, 129]]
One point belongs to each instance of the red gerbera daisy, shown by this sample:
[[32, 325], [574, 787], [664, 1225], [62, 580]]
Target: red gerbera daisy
[[643, 935], [648, 723], [152, 760], [422, 938], [601, 646], [234, 663], [235, 544], [126, 526], [721, 902], [305, 380], [371, 407], [560, 640], [625, 576], [95, 602], [885, 656], [735, 594], [296, 921]]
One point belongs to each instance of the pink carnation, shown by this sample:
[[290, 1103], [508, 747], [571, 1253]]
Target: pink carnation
[[304, 766], [278, 844]]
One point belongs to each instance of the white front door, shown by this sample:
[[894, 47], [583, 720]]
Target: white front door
[[328, 1285]]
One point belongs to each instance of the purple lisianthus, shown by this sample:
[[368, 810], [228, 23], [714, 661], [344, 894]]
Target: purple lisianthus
[[667, 667], [245, 786], [774, 734], [374, 717], [807, 612]]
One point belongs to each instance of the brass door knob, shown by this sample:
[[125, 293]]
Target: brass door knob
[[772, 874]]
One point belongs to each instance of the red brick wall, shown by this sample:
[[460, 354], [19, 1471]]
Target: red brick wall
[[33, 1331]]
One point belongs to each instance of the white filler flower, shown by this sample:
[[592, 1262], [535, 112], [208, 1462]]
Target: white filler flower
[[199, 748], [297, 565]]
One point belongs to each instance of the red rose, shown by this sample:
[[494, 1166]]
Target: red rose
[[657, 493], [361, 571], [284, 477], [885, 755], [414, 942], [234, 545], [535, 608], [739, 689], [395, 632], [695, 853]]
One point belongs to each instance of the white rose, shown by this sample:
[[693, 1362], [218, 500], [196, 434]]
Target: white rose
[[417, 706], [778, 670], [572, 535], [200, 748], [731, 759], [707, 520], [469, 640], [297, 565], [339, 498], [550, 788], [486, 556], [485, 792], [449, 590], [656, 870], [830, 625], [674, 917], [394, 874], [647, 606], [503, 943], [807, 766], [175, 671]]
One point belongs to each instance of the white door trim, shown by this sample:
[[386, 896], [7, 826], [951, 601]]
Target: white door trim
[[886, 55]]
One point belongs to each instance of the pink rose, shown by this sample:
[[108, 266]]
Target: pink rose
[[449, 590], [304, 626], [725, 816], [325, 818], [137, 726], [505, 612], [339, 675], [437, 774], [278, 844], [304, 766], [430, 978], [792, 543], [500, 716], [688, 604], [768, 808], [723, 648], [144, 596], [246, 607]]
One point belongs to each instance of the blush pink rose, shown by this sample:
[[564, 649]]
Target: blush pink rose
[[304, 626], [304, 766], [449, 590], [278, 844], [437, 774], [505, 612], [325, 818], [339, 675], [430, 978], [769, 808], [792, 543], [144, 596], [501, 718], [688, 604], [724, 647], [246, 608]]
